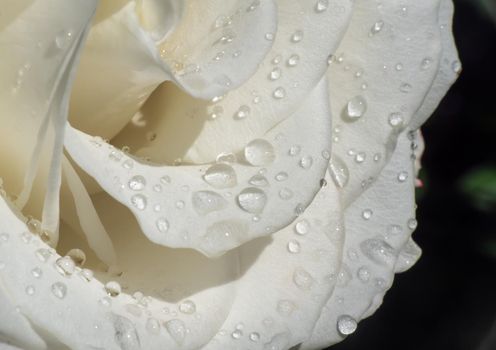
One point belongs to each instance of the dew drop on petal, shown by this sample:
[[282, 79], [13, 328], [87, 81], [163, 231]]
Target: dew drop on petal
[[176, 329], [346, 325], [302, 279], [259, 152], [339, 171], [220, 176], [137, 183], [139, 201], [205, 202], [252, 200], [356, 108], [59, 289]]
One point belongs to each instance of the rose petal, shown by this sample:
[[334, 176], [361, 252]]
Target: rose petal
[[36, 75], [134, 64], [14, 327], [296, 63], [279, 297], [214, 208], [378, 225], [448, 70], [378, 81]]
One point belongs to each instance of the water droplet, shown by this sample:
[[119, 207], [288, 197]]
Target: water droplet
[[405, 88], [30, 290], [402, 176], [166, 180], [34, 225], [275, 73], [456, 66], [426, 63], [259, 152], [278, 342], [220, 176], [279, 93], [187, 307], [412, 224], [339, 171], [360, 157], [242, 113], [356, 108], [306, 162], [321, 6], [363, 274], [65, 266], [302, 227], [293, 60], [216, 112], [37, 272], [346, 325], [378, 251], [294, 150], [377, 27], [395, 119], [269, 36], [139, 201], [128, 164], [294, 246], [281, 176], [285, 307], [297, 36], [236, 334], [43, 254], [302, 279], [252, 200], [285, 193], [162, 225], [113, 288], [59, 289], [63, 39], [137, 183], [176, 329], [254, 336], [87, 275], [78, 256], [125, 334], [367, 214], [259, 180], [205, 202]]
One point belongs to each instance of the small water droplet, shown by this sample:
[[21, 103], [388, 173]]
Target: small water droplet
[[187, 307], [412, 224], [59, 289], [162, 225], [363, 274], [254, 336], [78, 256], [30, 290], [65, 266], [285, 193], [402, 176], [294, 246], [205, 202], [43, 254], [139, 201], [259, 152], [236, 334], [405, 88], [125, 334], [378, 251], [395, 119], [242, 112], [294, 150], [302, 279], [37, 272], [113, 288], [137, 183], [376, 27], [426, 63], [321, 6], [367, 214], [220, 176], [279, 93], [302, 227], [297, 36], [456, 66], [285, 307], [293, 60], [275, 73]]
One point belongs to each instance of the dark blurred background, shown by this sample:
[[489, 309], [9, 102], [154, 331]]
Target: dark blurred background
[[448, 300]]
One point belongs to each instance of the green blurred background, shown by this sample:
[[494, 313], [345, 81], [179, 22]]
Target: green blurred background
[[448, 300]]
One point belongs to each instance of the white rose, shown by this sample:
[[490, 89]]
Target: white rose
[[293, 128]]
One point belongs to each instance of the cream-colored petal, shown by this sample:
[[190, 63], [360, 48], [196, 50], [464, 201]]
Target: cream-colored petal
[[219, 206], [197, 131]]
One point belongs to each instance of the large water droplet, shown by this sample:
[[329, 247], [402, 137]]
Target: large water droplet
[[346, 325], [137, 183], [205, 202], [355, 108], [259, 152], [252, 200], [378, 251], [125, 334], [176, 329], [220, 176]]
